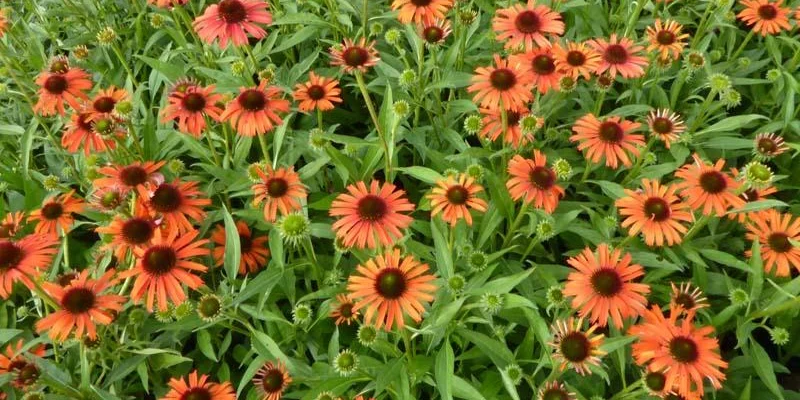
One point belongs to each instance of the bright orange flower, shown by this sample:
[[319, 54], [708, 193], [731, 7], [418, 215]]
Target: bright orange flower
[[750, 195], [232, 20], [657, 212], [3, 22], [504, 85], [576, 59], [453, 198], [775, 232], [199, 387], [765, 17], [666, 39], [128, 233], [105, 101], [271, 380], [279, 190], [603, 286], [191, 107], [685, 353], [355, 57], [393, 288], [255, 110], [371, 216], [540, 64], [82, 305], [11, 224], [493, 126], [686, 297], [574, 347], [61, 84], [164, 267], [705, 187], [24, 372], [319, 93], [176, 202], [23, 260], [609, 138], [167, 3], [56, 212], [80, 132], [534, 182], [619, 56], [526, 27], [138, 177], [666, 125], [554, 390], [434, 33], [342, 310], [254, 250], [421, 11]]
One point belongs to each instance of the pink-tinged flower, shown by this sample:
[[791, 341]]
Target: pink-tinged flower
[[233, 20]]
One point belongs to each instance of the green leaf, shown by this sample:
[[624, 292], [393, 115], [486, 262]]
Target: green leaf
[[233, 247], [464, 390], [262, 284], [758, 206], [267, 347], [502, 285], [763, 366], [299, 37], [424, 174], [730, 124], [444, 257], [444, 373], [204, 343], [7, 334], [500, 355], [26, 146], [611, 189]]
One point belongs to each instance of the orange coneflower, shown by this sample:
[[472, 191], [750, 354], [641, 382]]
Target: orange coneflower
[[371, 216], [666, 39], [493, 126], [106, 100], [191, 107], [575, 348], [603, 286], [393, 288], [176, 202], [107, 199], [666, 125], [619, 56], [163, 267], [554, 390], [22, 260], [253, 249], [138, 177], [421, 11], [319, 93], [609, 138], [748, 196], [355, 57], [167, 3], [506, 84], [233, 20], [280, 190], [767, 145], [526, 26], [198, 387], [342, 310], [657, 212], [534, 182], [685, 353], [61, 83], [540, 64], [56, 212], [11, 224], [255, 110], [435, 32], [765, 17], [687, 297], [80, 132], [775, 232], [453, 197], [705, 187], [128, 233], [271, 380], [82, 305], [576, 59], [25, 372], [3, 22]]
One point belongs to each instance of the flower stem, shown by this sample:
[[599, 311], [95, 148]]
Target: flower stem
[[212, 149], [319, 119], [514, 225], [85, 368], [262, 139], [639, 162], [634, 17], [741, 46], [698, 225], [371, 107]]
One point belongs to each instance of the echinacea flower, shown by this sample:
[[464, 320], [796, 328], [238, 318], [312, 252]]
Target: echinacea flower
[[390, 288], [707, 188], [527, 26], [608, 138], [666, 39], [11, 224], [279, 190], [128, 233], [319, 93], [56, 214], [768, 145], [492, 121], [3, 22], [232, 20], [255, 111], [13, 361], [687, 297], [435, 32], [83, 305], [64, 85], [576, 59], [137, 176], [687, 354], [79, 132], [176, 203], [198, 387], [533, 182], [775, 232], [421, 11], [665, 125], [504, 85], [765, 17], [271, 380], [619, 56], [657, 212], [554, 390], [191, 107], [352, 56], [454, 197], [602, 286], [750, 195], [540, 64], [167, 3], [342, 310], [105, 102], [23, 260], [253, 249], [164, 267], [575, 348], [372, 216]]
